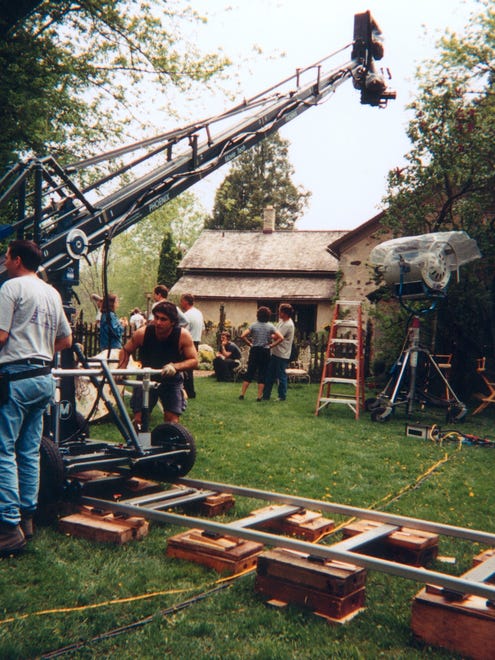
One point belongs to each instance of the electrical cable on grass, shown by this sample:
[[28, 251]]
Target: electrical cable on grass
[[221, 583], [390, 497], [136, 624]]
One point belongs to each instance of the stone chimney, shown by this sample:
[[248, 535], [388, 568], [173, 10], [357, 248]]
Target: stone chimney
[[268, 220]]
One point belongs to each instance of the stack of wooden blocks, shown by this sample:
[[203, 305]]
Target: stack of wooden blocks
[[333, 589]]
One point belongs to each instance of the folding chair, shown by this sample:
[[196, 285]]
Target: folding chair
[[486, 399], [241, 368], [299, 369]]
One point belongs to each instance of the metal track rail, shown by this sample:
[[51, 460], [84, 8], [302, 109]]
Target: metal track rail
[[188, 490]]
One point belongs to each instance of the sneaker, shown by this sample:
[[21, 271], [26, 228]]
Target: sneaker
[[280, 399], [12, 540], [27, 527], [241, 397]]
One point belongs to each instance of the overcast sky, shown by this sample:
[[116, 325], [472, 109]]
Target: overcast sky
[[341, 150]]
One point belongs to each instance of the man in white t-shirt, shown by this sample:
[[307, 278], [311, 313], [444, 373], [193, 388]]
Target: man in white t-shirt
[[280, 354], [160, 294], [196, 324], [33, 327], [136, 320]]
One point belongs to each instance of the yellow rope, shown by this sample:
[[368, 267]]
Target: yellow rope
[[119, 601], [130, 599], [390, 497], [81, 608]]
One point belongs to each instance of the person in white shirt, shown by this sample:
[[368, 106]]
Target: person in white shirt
[[160, 294], [280, 355], [136, 320], [196, 325]]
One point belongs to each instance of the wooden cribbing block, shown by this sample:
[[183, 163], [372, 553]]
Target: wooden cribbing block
[[216, 504], [465, 627], [93, 475], [406, 545], [330, 588], [225, 554], [139, 486], [484, 556], [108, 527], [307, 525]]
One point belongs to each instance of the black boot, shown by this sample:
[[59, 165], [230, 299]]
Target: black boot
[[27, 526], [12, 540]]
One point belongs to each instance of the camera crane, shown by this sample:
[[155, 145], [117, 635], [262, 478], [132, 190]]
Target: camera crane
[[69, 219]]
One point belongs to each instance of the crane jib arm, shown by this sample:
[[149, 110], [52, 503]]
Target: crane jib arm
[[69, 221]]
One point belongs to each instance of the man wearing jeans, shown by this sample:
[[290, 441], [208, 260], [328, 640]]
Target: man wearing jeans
[[33, 327], [280, 354]]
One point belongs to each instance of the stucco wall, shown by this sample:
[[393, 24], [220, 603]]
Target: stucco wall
[[238, 313]]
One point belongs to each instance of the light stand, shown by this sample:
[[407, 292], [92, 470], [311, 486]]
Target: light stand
[[394, 394]]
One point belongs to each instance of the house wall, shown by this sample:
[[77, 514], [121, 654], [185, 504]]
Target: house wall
[[357, 277], [238, 313], [323, 316]]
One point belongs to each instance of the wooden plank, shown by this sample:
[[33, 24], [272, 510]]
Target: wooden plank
[[316, 601], [104, 526], [225, 545], [329, 576], [216, 504], [485, 556], [307, 525], [405, 545], [466, 627], [224, 554]]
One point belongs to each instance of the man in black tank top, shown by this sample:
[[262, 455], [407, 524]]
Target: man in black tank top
[[162, 345]]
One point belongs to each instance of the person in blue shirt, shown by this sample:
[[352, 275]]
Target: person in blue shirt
[[111, 329]]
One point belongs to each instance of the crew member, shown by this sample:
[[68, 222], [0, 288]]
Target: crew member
[[33, 327], [196, 324], [160, 294], [164, 345]]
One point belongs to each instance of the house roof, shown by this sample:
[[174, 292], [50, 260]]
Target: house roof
[[231, 287], [254, 252], [347, 239]]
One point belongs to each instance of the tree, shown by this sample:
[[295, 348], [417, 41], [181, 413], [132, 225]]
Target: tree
[[448, 183], [134, 255], [259, 177], [73, 75], [168, 261]]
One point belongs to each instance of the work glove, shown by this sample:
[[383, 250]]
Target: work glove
[[169, 370]]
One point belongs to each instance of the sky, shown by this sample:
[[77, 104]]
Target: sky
[[341, 151]]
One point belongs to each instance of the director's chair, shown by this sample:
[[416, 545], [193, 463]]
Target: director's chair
[[486, 399]]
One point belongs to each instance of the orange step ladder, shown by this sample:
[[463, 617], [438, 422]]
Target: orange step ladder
[[342, 378]]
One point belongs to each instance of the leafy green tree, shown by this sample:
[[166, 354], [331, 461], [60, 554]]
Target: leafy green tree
[[449, 181], [258, 178], [73, 75], [168, 261], [134, 255]]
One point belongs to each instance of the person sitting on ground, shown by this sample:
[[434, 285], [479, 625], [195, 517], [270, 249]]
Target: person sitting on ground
[[260, 337], [164, 345], [227, 358]]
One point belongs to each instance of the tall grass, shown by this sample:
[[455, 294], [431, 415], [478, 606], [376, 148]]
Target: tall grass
[[273, 446]]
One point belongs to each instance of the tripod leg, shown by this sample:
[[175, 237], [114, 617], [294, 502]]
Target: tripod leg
[[461, 407]]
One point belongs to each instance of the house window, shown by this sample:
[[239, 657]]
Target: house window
[[305, 318]]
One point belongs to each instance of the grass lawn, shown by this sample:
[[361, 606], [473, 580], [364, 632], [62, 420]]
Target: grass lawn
[[64, 590]]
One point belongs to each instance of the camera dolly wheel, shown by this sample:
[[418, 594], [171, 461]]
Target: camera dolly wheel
[[177, 453]]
